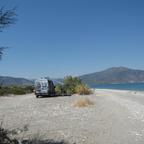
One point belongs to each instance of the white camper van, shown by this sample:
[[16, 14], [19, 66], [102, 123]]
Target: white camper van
[[46, 87], [41, 87]]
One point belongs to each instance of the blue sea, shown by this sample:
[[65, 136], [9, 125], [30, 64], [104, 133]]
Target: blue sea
[[126, 86]]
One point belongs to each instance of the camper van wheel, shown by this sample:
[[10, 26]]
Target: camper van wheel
[[37, 96]]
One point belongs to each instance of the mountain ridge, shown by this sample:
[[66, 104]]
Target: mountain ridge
[[109, 76], [114, 75], [8, 81]]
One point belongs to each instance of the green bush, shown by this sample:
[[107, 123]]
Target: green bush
[[28, 89], [73, 85], [59, 89], [17, 90], [4, 91], [70, 84]]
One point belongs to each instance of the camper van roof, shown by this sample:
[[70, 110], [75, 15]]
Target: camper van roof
[[41, 79]]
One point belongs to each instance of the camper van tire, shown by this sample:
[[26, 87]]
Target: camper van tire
[[37, 96]]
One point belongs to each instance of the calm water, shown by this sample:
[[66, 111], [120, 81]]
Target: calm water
[[127, 86]]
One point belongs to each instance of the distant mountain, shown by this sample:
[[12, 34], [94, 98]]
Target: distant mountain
[[7, 81], [111, 75], [114, 75]]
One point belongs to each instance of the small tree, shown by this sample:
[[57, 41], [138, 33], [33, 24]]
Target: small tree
[[70, 83], [74, 85]]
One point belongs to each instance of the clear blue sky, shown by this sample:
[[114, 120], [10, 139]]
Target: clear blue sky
[[72, 37]]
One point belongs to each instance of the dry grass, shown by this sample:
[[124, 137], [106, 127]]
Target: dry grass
[[83, 102], [83, 90]]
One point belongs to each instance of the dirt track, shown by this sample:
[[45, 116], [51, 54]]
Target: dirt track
[[117, 117]]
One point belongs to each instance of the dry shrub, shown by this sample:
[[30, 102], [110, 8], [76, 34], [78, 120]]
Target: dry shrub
[[83, 102], [83, 90], [6, 138]]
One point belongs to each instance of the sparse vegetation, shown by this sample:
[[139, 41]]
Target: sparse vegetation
[[6, 137], [15, 90], [83, 90], [73, 85], [83, 102]]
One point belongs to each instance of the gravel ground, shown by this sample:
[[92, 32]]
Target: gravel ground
[[117, 117]]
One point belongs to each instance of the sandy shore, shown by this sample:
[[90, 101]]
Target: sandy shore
[[117, 117]]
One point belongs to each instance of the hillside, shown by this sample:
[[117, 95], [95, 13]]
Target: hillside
[[114, 75], [111, 75], [7, 81]]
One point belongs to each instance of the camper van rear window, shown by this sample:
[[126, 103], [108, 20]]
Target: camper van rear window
[[44, 84], [38, 85]]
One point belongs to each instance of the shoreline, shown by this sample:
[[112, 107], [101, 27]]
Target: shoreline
[[117, 90], [114, 92], [124, 86]]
